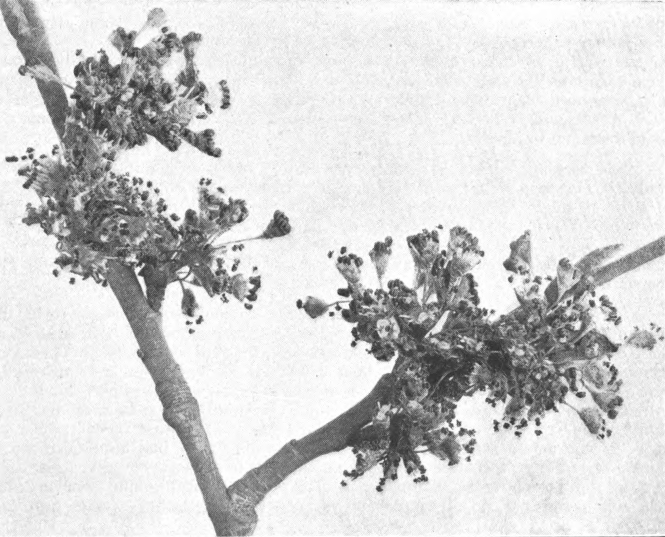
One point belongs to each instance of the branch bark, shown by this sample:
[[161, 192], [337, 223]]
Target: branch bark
[[334, 436], [26, 26], [629, 262], [180, 408], [337, 434]]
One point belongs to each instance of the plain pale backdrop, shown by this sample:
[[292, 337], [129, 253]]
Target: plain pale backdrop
[[359, 120]]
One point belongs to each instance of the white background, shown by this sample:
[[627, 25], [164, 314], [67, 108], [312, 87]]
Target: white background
[[359, 121]]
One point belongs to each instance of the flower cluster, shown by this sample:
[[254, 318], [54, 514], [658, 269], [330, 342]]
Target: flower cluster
[[98, 215], [555, 350]]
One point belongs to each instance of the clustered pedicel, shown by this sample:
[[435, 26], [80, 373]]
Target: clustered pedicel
[[554, 350], [98, 215]]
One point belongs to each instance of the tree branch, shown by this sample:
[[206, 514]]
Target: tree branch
[[334, 436], [629, 262], [337, 434], [26, 26], [181, 410]]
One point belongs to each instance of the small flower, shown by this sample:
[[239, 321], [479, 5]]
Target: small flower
[[188, 305], [642, 339], [348, 266], [445, 446], [117, 39], [387, 328], [566, 276], [424, 248], [279, 226], [127, 69], [514, 407], [463, 252], [520, 255], [238, 286], [314, 307], [191, 44], [592, 418], [156, 18], [380, 256]]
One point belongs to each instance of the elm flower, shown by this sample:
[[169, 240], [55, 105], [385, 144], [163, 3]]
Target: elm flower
[[444, 446], [51, 177], [380, 256], [592, 418], [238, 286], [382, 417], [188, 305], [607, 398], [387, 328], [368, 459], [314, 307], [348, 266], [191, 44], [463, 252], [528, 293], [566, 276], [642, 339], [127, 69], [515, 407], [424, 248], [116, 39], [601, 382], [156, 18], [519, 260], [279, 226]]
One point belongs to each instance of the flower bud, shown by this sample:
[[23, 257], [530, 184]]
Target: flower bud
[[519, 261], [189, 305], [238, 286], [592, 418], [314, 307], [279, 226], [380, 255], [156, 18]]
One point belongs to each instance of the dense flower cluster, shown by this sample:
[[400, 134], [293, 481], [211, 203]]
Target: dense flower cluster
[[554, 350], [98, 215]]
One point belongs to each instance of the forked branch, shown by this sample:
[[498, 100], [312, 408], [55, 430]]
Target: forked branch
[[336, 435]]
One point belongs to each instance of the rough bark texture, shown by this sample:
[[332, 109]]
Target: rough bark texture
[[181, 410], [334, 436], [26, 26]]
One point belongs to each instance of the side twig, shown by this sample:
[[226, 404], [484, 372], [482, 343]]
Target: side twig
[[334, 436]]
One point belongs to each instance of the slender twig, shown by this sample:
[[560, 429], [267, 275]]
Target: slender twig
[[334, 436]]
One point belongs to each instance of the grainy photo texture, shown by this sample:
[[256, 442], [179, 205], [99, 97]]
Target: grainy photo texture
[[341, 268]]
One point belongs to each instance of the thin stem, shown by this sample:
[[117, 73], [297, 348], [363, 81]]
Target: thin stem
[[220, 246], [339, 302]]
